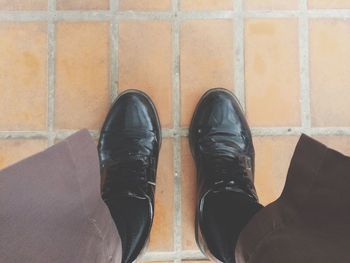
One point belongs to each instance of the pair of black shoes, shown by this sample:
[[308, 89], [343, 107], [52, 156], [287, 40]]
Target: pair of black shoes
[[222, 148]]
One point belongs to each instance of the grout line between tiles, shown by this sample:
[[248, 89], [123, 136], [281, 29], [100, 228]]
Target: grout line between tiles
[[51, 71], [304, 65], [272, 14], [176, 123], [113, 5], [23, 135], [51, 5], [106, 15], [335, 13], [239, 54], [193, 15], [183, 132], [303, 5], [169, 256], [281, 131], [114, 50], [327, 131]]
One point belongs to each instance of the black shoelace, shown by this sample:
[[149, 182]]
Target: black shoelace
[[228, 171], [127, 174], [228, 168]]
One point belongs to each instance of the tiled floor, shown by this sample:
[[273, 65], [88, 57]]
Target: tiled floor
[[62, 63]]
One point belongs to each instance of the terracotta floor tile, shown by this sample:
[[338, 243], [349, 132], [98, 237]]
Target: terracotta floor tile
[[82, 72], [188, 192], [145, 5], [145, 62], [272, 159], [338, 143], [206, 5], [9, 5], [331, 4], [272, 72], [207, 61], [82, 5], [14, 150], [271, 4], [330, 72], [23, 68], [162, 230]]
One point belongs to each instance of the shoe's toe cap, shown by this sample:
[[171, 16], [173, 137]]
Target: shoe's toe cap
[[132, 110]]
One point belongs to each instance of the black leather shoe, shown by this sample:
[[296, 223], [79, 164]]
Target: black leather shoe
[[221, 145], [128, 150]]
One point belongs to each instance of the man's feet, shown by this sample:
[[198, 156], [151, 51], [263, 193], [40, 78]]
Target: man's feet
[[128, 150], [223, 151]]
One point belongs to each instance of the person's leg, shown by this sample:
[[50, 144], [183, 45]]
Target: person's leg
[[222, 148], [309, 222], [128, 148], [51, 209]]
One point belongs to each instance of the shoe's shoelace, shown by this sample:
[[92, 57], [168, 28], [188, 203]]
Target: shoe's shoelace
[[228, 168], [131, 138], [220, 143], [127, 174], [227, 171]]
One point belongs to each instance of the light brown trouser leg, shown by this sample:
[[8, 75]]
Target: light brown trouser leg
[[51, 210]]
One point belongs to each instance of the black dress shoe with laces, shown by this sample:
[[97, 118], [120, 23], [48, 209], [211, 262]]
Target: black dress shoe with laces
[[128, 150], [223, 151]]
